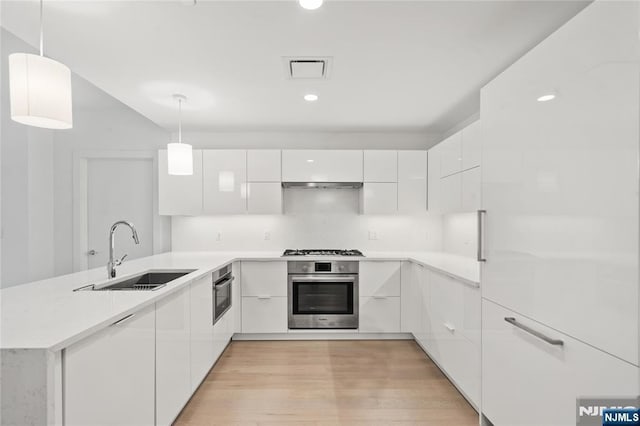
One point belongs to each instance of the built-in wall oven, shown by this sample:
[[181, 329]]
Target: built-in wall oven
[[323, 294], [222, 279]]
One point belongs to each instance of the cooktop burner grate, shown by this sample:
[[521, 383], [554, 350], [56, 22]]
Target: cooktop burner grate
[[322, 252]]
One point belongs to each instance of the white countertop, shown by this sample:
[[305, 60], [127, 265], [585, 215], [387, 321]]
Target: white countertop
[[49, 315]]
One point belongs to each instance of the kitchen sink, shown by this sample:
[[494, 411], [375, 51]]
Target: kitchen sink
[[148, 281]]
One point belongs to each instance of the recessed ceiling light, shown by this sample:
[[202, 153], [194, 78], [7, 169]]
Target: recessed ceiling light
[[310, 97], [310, 4], [547, 97], [310, 161]]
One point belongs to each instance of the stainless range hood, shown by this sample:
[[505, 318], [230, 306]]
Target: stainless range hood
[[323, 185]]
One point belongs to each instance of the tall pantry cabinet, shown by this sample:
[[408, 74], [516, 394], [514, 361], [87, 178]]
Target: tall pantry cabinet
[[560, 188]]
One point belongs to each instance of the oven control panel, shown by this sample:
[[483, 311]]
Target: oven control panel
[[322, 267]]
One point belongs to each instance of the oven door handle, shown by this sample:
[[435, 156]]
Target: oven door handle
[[323, 278], [223, 283]]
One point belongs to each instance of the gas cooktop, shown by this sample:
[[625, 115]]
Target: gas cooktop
[[322, 252]]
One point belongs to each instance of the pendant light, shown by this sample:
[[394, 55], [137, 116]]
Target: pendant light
[[180, 155], [40, 89]]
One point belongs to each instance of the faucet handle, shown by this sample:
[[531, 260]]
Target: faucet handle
[[118, 262]]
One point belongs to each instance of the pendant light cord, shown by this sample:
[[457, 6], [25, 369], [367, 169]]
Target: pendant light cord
[[179, 120], [41, 28]]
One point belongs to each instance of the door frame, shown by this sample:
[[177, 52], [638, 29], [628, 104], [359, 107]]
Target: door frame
[[80, 199]]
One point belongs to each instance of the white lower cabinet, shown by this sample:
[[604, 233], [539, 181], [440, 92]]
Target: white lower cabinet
[[264, 314], [202, 346], [379, 314], [109, 376], [521, 371], [173, 380]]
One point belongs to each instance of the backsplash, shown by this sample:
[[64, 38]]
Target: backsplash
[[313, 218], [460, 234]]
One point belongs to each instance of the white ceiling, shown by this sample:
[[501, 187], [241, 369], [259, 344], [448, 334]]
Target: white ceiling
[[396, 64]]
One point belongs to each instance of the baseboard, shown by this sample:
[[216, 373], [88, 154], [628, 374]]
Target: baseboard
[[322, 335]]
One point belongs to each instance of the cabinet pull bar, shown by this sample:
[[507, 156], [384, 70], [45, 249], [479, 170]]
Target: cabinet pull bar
[[264, 297], [549, 340], [480, 249], [124, 319]]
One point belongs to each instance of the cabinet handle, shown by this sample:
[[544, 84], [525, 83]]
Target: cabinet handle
[[379, 297], [264, 297], [549, 340], [480, 255], [449, 327], [122, 320]]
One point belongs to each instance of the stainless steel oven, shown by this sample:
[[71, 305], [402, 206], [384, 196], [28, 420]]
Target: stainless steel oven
[[222, 279], [323, 294]]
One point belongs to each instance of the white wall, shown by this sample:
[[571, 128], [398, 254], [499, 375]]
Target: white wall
[[313, 218], [37, 174]]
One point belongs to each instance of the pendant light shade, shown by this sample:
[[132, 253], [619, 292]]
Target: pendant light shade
[[179, 155], [40, 90], [180, 159]]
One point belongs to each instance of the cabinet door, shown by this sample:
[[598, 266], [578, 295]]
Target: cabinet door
[[180, 195], [380, 166], [471, 145], [224, 181], [549, 376], [379, 198], [173, 362], [109, 376], [451, 155], [560, 181], [412, 181], [264, 278], [411, 298], [379, 278], [451, 193], [321, 165], [202, 355], [433, 172], [264, 198], [379, 314], [263, 165], [264, 314], [471, 181]]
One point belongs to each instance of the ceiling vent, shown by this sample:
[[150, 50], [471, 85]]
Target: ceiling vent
[[307, 68]]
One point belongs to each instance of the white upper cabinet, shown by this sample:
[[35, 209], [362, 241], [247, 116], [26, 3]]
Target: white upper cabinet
[[380, 166], [412, 181], [322, 166], [264, 198], [224, 181], [263, 165], [560, 182], [471, 185], [471, 145], [451, 155], [433, 180], [180, 195]]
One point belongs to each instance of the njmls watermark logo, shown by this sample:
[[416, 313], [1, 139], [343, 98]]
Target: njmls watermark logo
[[608, 411]]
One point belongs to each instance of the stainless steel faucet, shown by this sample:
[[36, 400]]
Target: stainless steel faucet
[[111, 266]]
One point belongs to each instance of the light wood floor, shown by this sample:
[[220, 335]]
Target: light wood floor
[[326, 383]]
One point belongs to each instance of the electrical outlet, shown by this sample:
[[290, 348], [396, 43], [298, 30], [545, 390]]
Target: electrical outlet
[[267, 235], [373, 235]]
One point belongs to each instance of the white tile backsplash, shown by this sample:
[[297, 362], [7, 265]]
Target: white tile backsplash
[[325, 218]]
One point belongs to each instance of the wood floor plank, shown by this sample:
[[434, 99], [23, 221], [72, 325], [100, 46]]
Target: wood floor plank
[[320, 383]]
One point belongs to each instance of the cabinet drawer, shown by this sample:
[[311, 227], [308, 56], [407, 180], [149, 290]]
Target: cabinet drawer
[[379, 279], [458, 356], [264, 278], [456, 304], [520, 368], [379, 314], [264, 314]]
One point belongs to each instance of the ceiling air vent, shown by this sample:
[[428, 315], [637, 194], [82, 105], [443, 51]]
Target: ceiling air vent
[[307, 68]]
